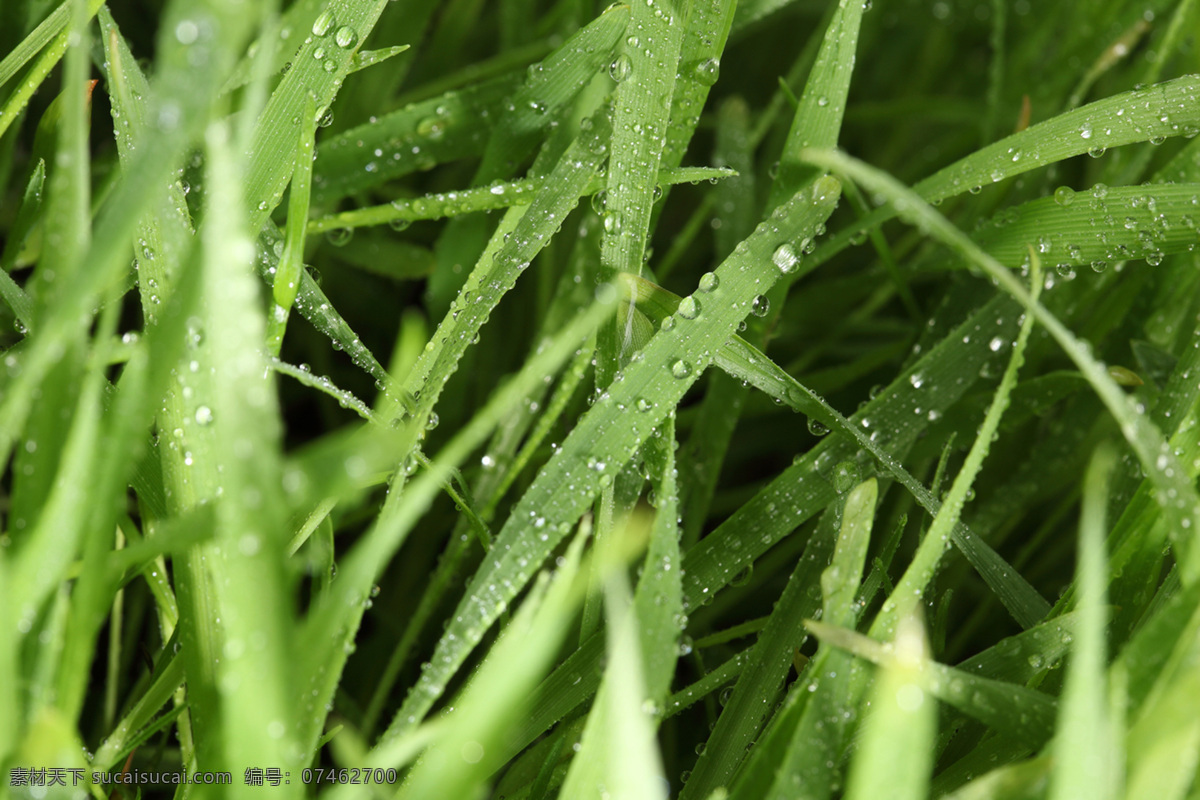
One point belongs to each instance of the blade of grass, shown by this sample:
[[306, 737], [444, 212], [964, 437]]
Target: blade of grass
[[818, 118], [1160, 111], [460, 760], [1179, 498], [895, 756], [741, 361], [606, 436], [330, 625], [1085, 756]]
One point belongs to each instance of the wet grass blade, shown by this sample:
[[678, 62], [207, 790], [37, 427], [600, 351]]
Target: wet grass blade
[[606, 436]]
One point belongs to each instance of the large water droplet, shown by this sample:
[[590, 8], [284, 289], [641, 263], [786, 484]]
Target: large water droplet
[[346, 37], [620, 68], [708, 70], [323, 23], [785, 258], [689, 308]]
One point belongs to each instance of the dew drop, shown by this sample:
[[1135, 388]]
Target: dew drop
[[689, 308], [339, 237], [620, 68], [785, 258], [708, 71], [345, 37], [323, 23]]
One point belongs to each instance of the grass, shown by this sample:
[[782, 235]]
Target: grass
[[546, 399]]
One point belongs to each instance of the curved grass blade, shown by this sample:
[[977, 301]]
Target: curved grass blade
[[1024, 714], [1097, 227], [892, 419], [606, 437], [742, 361], [1158, 112], [1181, 505]]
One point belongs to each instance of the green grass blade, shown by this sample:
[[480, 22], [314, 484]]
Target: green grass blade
[[287, 274], [1181, 504], [255, 685], [502, 263], [1084, 748], [419, 136], [740, 360], [501, 194], [606, 436], [704, 36], [465, 753], [818, 118], [895, 755], [333, 622], [337, 34], [1142, 115], [618, 752], [762, 678], [1096, 228], [658, 602], [645, 68], [1024, 714]]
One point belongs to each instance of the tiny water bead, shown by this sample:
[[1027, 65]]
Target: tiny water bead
[[785, 258]]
